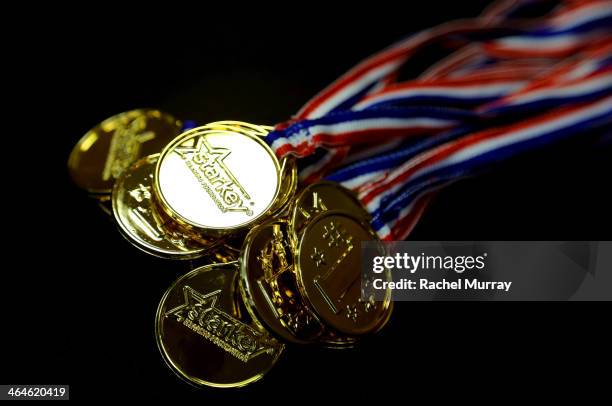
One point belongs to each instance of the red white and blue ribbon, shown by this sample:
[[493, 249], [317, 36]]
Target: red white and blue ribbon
[[512, 84], [467, 155]]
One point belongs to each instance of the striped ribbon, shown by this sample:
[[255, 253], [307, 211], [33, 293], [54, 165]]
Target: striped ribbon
[[512, 84]]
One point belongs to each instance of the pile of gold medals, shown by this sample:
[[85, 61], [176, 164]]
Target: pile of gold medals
[[280, 266]]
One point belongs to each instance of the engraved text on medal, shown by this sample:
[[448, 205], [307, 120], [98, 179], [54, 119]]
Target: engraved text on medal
[[206, 163], [200, 314]]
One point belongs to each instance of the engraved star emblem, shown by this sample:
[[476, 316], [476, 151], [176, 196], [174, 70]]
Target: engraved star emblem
[[204, 150], [318, 257], [194, 304], [333, 234], [208, 155]]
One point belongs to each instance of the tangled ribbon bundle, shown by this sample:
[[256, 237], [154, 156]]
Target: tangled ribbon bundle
[[511, 84]]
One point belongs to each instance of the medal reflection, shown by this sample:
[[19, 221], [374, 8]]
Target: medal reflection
[[278, 267]]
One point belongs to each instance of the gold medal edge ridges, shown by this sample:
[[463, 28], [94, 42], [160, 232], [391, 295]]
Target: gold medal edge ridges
[[143, 246], [246, 288], [299, 198]]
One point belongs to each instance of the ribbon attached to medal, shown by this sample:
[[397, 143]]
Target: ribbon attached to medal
[[396, 143]]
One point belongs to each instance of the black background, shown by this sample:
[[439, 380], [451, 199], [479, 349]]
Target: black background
[[79, 301]]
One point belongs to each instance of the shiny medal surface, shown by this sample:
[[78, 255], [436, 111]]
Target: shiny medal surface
[[217, 180], [321, 196], [225, 253], [328, 264], [203, 336], [142, 223], [229, 125], [289, 171], [288, 185], [108, 149], [269, 286]]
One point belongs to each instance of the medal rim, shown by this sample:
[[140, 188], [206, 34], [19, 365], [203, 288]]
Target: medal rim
[[284, 197], [209, 230], [127, 234], [197, 382], [300, 198], [256, 129], [246, 286]]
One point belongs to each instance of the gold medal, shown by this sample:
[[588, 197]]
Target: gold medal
[[204, 338], [142, 223], [112, 146], [322, 196], [269, 287], [328, 264], [216, 180], [206, 196]]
